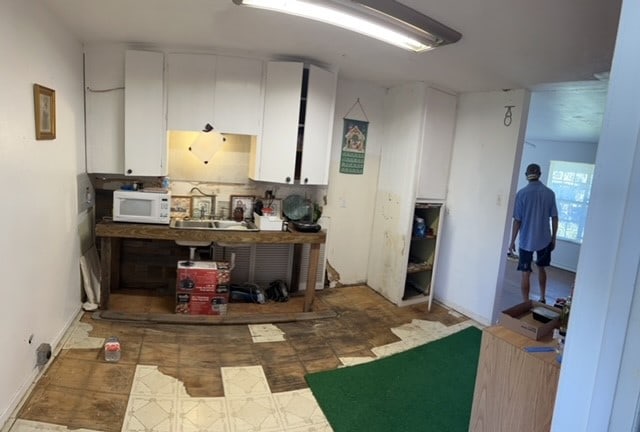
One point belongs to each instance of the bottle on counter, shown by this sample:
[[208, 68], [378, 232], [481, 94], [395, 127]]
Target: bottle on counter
[[112, 351], [166, 183]]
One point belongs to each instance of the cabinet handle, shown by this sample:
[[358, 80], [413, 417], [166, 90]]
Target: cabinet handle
[[288, 179], [306, 180], [129, 171]]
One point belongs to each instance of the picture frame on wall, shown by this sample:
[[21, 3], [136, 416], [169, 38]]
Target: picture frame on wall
[[44, 100], [202, 207], [241, 201], [180, 206]]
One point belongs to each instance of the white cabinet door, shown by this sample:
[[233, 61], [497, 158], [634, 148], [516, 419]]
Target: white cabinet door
[[190, 91], [104, 99], [316, 147], [145, 137], [437, 145], [275, 152], [238, 102]]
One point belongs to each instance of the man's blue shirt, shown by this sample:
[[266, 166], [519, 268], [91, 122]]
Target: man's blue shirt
[[534, 208]]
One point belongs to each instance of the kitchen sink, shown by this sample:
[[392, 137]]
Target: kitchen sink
[[217, 225]]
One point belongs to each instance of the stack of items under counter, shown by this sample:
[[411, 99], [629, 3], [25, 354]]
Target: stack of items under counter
[[202, 287]]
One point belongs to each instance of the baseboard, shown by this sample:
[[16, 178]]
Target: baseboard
[[8, 417]]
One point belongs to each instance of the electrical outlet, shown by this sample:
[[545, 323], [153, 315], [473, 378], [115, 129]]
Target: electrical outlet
[[86, 194]]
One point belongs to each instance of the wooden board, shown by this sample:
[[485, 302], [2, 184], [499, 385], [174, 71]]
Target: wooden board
[[515, 390]]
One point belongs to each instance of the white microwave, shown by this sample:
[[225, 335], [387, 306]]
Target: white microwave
[[143, 207]]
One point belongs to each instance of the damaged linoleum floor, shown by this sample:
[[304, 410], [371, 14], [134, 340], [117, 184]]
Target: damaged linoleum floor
[[222, 377]]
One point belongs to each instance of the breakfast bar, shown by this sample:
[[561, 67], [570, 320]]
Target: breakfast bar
[[111, 234]]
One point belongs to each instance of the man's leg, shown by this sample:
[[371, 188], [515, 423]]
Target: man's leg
[[543, 260], [525, 285], [524, 265], [542, 279]]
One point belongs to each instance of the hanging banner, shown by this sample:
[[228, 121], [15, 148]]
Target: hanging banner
[[354, 142]]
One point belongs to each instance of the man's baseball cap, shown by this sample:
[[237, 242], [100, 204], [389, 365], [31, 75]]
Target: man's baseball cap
[[533, 172]]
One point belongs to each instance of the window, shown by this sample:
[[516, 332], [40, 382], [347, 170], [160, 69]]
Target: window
[[571, 182]]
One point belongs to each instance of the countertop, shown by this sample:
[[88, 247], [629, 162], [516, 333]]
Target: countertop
[[164, 232]]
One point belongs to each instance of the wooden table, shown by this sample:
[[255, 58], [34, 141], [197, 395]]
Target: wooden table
[[515, 390], [111, 234]]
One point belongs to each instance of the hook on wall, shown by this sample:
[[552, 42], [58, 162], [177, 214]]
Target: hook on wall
[[508, 115]]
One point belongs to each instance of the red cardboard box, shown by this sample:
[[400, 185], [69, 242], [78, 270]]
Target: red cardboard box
[[198, 276], [201, 304], [202, 288]]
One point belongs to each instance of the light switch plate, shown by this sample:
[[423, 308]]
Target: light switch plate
[[86, 194]]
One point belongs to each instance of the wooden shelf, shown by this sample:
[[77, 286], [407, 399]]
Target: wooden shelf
[[419, 267]]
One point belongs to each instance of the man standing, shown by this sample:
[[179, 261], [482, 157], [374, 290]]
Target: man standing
[[535, 205]]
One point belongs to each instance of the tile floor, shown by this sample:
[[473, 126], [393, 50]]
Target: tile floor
[[193, 378]]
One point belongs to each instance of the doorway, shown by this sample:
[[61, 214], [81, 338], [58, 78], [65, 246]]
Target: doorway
[[564, 124]]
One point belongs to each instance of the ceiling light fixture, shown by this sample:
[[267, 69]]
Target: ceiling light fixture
[[385, 20]]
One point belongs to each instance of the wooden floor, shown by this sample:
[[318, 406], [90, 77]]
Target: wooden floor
[[559, 285], [81, 390]]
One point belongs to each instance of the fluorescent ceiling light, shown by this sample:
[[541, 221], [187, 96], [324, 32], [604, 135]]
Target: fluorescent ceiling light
[[385, 20]]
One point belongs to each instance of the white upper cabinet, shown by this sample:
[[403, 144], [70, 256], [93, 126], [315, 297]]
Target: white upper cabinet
[[190, 91], [437, 145], [145, 134], [295, 144], [275, 152], [318, 127], [104, 99], [223, 91], [237, 107]]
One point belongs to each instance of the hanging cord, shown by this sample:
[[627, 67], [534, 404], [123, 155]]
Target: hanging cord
[[104, 90], [357, 102]]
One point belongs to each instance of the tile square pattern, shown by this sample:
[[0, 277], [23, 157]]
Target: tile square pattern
[[265, 333], [159, 403]]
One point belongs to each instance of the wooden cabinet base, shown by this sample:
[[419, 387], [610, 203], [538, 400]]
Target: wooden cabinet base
[[515, 390]]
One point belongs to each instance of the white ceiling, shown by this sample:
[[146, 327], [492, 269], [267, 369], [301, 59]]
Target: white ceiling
[[505, 43]]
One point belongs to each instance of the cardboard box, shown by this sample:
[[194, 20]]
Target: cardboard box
[[201, 304], [268, 223], [519, 318], [202, 288], [201, 275]]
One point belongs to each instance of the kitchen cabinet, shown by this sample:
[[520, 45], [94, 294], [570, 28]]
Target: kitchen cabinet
[[190, 91], [223, 91], [295, 144], [104, 101], [437, 144], [145, 137], [514, 390], [423, 252], [405, 171]]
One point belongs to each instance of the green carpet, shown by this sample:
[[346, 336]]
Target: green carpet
[[427, 388]]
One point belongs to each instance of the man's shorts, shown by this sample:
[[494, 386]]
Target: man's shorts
[[543, 258]]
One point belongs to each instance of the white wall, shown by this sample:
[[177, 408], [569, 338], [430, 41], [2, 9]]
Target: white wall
[[599, 384], [40, 248], [350, 197], [542, 152], [481, 186]]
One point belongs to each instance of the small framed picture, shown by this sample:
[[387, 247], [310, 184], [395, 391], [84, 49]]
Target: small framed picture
[[202, 207], [180, 206], [274, 204], [244, 202], [45, 112]]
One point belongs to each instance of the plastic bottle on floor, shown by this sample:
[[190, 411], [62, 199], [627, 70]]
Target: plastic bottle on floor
[[112, 350]]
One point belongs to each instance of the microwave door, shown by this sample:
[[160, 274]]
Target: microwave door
[[136, 207]]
